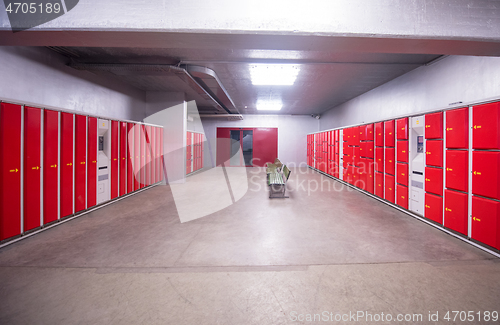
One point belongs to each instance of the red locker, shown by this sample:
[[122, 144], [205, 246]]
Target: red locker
[[189, 155], [434, 207], [455, 211], [379, 184], [10, 170], [336, 133], [402, 200], [357, 156], [362, 133], [367, 149], [389, 133], [369, 132], [457, 128], [355, 135], [486, 221], [137, 154], [379, 134], [379, 159], [50, 162], [152, 137], [370, 175], [402, 177], [161, 155], [434, 153], [390, 187], [434, 125], [123, 158], [32, 167], [347, 135], [403, 151], [486, 174], [92, 162], [457, 166], [434, 180], [114, 159], [66, 187], [131, 157], [486, 126], [80, 162], [142, 157], [390, 161], [147, 156], [356, 177], [402, 128]]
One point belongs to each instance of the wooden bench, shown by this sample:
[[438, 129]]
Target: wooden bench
[[277, 180]]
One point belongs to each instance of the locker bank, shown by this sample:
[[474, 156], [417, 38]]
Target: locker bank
[[260, 163]]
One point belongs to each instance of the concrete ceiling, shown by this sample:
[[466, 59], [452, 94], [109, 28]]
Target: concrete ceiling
[[344, 48]]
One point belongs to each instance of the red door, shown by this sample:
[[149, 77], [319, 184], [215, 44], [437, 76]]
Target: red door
[[379, 134], [50, 165], [455, 211], [123, 158], [32, 167], [434, 207], [114, 159], [131, 154], [80, 161], [10, 165], [66, 193], [92, 163]]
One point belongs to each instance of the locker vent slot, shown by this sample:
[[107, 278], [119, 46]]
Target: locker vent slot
[[417, 184]]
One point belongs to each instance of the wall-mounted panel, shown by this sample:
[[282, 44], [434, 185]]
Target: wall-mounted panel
[[457, 167], [457, 128], [50, 165], [92, 162], [32, 167]]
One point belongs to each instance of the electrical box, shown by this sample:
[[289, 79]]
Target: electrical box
[[379, 134], [402, 151], [434, 180], [434, 125], [434, 207], [486, 221], [486, 126], [486, 174], [456, 211], [457, 166], [390, 161], [402, 199], [457, 128], [389, 127], [402, 174], [402, 128], [390, 188], [434, 153]]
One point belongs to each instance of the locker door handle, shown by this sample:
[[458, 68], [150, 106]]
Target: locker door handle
[[14, 170], [82, 163], [477, 127], [70, 164], [53, 166], [35, 168], [94, 162]]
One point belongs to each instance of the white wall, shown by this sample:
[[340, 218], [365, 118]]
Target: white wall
[[454, 79], [39, 76], [292, 131]]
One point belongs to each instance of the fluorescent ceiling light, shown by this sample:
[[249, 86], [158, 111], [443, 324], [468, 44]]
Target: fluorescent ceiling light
[[269, 105], [274, 74]]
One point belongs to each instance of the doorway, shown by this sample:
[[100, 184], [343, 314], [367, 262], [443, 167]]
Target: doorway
[[241, 148]]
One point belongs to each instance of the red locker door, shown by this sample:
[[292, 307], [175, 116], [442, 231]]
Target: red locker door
[[486, 221], [32, 167], [362, 133], [92, 162], [402, 128], [50, 161], [434, 180], [147, 154], [368, 149], [390, 187], [142, 157], [370, 173], [457, 166], [114, 159], [434, 153], [402, 200], [10, 164], [379, 159], [369, 132], [434, 207], [131, 157], [457, 128], [402, 177], [66, 187], [357, 156], [434, 125], [137, 154], [403, 151], [486, 174], [161, 155], [389, 133], [355, 135], [152, 137], [189, 155], [455, 211], [379, 134], [390, 161], [379, 184], [123, 158], [80, 161], [486, 126]]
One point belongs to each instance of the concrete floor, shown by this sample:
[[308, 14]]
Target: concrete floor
[[258, 261]]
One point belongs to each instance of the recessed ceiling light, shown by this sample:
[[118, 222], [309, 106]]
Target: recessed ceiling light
[[274, 74], [269, 105], [246, 106]]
